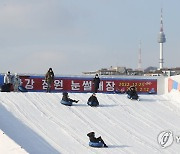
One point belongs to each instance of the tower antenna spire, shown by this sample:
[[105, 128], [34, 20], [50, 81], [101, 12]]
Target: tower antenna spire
[[139, 58], [161, 29], [161, 40]]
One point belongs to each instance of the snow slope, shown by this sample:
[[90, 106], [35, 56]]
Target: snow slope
[[7, 145], [39, 124]]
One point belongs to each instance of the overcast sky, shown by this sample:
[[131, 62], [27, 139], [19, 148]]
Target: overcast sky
[[73, 36]]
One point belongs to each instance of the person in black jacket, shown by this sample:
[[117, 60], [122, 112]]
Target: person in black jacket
[[132, 94], [67, 99], [93, 101], [93, 139], [96, 82]]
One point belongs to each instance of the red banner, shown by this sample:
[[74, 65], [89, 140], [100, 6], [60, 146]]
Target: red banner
[[82, 84]]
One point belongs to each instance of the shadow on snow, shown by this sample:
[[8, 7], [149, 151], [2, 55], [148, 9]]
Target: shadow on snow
[[22, 135]]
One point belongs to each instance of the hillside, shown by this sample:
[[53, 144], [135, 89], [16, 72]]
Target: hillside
[[38, 123]]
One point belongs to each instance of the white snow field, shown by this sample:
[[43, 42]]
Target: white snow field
[[37, 123]]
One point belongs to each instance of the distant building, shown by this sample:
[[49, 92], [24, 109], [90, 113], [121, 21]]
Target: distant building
[[109, 71], [154, 73], [115, 71], [150, 71], [134, 72], [164, 72]]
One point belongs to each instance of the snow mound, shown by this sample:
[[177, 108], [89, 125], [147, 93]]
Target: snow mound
[[38, 123]]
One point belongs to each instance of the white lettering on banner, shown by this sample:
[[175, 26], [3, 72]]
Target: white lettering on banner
[[75, 86], [101, 86], [58, 84], [44, 84], [29, 84], [110, 85], [87, 85], [148, 83]]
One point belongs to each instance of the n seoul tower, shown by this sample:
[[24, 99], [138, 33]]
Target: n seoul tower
[[161, 40]]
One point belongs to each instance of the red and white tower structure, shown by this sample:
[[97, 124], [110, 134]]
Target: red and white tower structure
[[161, 40]]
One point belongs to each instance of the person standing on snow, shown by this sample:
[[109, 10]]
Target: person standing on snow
[[16, 82], [96, 82], [49, 78], [8, 81]]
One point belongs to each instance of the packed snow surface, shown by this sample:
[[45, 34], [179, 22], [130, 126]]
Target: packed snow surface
[[37, 123]]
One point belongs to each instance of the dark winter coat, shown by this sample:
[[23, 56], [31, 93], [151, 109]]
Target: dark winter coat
[[67, 99], [132, 93], [49, 77], [93, 99], [93, 139], [96, 82]]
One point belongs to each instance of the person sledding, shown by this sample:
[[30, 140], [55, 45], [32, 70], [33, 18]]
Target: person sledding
[[66, 100], [119, 91], [93, 101], [96, 142], [132, 93]]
